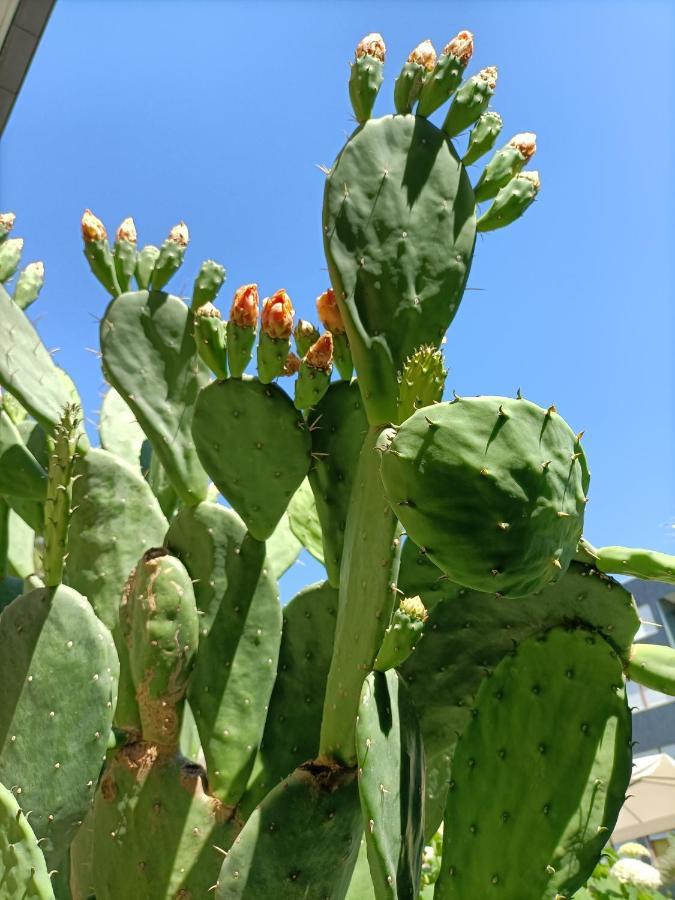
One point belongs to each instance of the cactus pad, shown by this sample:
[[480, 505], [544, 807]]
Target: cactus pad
[[534, 790], [255, 446], [338, 426], [399, 229], [119, 431], [52, 639], [468, 633], [391, 785], [150, 358], [492, 489], [23, 872], [293, 723], [156, 829], [307, 831]]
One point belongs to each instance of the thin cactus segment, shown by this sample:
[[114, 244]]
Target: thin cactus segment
[[653, 665], [23, 871]]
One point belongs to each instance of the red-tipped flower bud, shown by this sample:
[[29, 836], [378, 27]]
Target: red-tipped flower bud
[[127, 231], [7, 222], [460, 46], [292, 364], [92, 228], [526, 143], [277, 315], [179, 235], [329, 313], [371, 45], [244, 310], [424, 55], [320, 354]]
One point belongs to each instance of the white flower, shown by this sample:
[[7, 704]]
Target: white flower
[[634, 850], [637, 873]]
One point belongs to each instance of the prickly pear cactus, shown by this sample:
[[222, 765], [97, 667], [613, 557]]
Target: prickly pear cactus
[[444, 715]]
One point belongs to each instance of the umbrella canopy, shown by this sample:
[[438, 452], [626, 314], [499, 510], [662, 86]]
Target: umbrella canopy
[[650, 807]]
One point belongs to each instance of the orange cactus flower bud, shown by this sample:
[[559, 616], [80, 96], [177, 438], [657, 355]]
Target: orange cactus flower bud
[[292, 364], [179, 235], [320, 354], [424, 55], [460, 46], [92, 228], [127, 231], [244, 310], [371, 45], [277, 315], [526, 142], [329, 312]]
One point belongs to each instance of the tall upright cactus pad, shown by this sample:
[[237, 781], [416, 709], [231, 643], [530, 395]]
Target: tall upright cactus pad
[[391, 785], [255, 446], [150, 358], [115, 514], [26, 368], [52, 639], [535, 792], [239, 640], [399, 228], [161, 617], [307, 830], [493, 490], [338, 426], [23, 872], [157, 833], [468, 633], [293, 722]]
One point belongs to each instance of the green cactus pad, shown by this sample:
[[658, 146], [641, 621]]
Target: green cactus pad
[[59, 674], [240, 341], [468, 633], [399, 229], [255, 446], [307, 831], [163, 635], [361, 885], [283, 548], [10, 257], [534, 790], [648, 564], [26, 367], [23, 871], [441, 83], [503, 165], [150, 358], [293, 723], [115, 516], [493, 489], [208, 282], [156, 830], [102, 264], [305, 335], [391, 785], [338, 426], [653, 665], [421, 382], [211, 338], [118, 429], [239, 640], [408, 85], [468, 104], [21, 475], [304, 520], [168, 262]]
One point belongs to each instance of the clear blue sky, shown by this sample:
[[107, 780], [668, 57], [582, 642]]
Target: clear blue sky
[[219, 112]]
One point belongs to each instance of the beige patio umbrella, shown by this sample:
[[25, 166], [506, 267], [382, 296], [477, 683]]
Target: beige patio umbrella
[[650, 807]]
